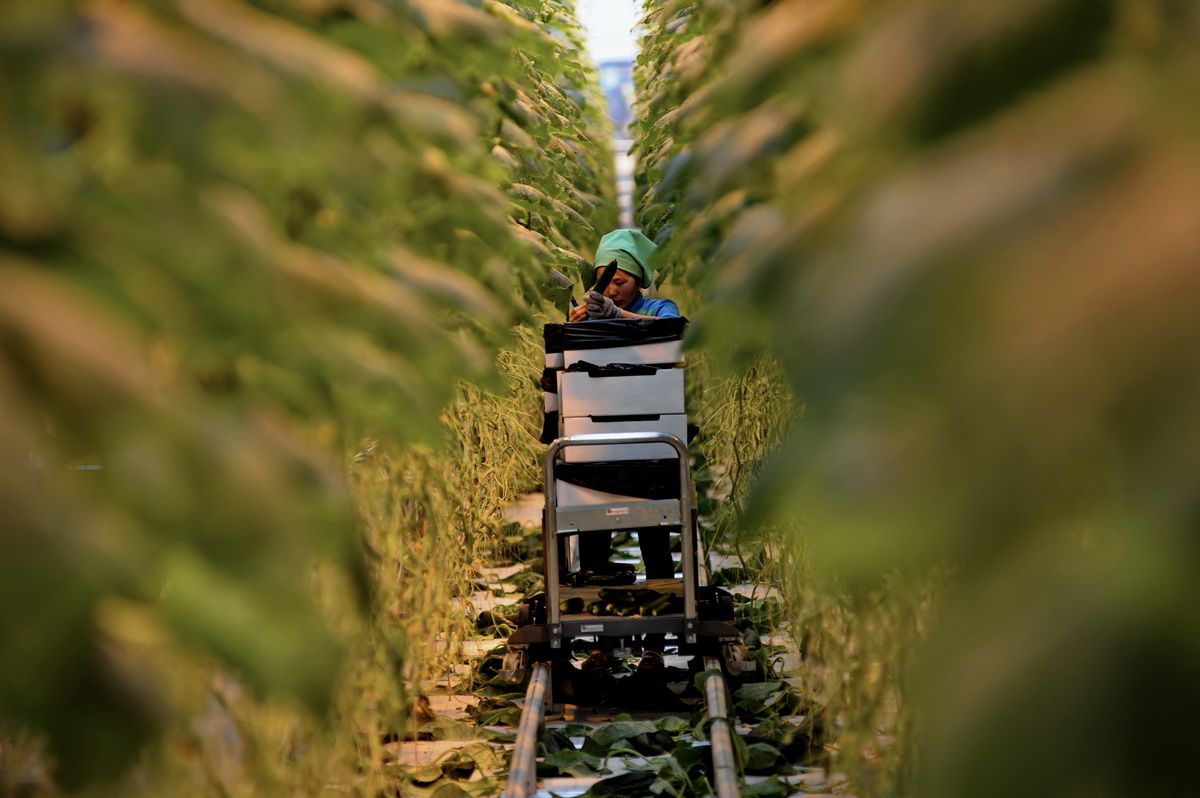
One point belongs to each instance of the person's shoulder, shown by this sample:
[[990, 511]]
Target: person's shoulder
[[661, 308]]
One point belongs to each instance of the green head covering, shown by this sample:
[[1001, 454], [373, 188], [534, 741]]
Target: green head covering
[[632, 252]]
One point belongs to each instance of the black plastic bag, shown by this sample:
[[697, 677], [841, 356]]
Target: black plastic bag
[[612, 369], [605, 333]]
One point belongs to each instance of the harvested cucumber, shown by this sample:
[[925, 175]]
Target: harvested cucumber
[[656, 606]]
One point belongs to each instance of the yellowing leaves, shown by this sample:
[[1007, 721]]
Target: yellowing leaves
[[239, 237], [968, 233], [285, 45], [127, 37], [446, 285], [79, 349], [532, 239], [319, 275], [457, 20]]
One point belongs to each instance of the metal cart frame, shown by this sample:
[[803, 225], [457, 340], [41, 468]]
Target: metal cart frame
[[625, 515], [545, 641]]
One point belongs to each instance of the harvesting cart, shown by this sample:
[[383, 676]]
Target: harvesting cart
[[617, 460]]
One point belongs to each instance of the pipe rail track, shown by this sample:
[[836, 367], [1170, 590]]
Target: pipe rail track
[[549, 633], [522, 772], [720, 732]]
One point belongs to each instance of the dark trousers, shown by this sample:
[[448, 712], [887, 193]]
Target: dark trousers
[[595, 548]]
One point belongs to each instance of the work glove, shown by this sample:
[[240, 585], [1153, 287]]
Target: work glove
[[601, 307]]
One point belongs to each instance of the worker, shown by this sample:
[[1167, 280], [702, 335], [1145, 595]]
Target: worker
[[624, 298]]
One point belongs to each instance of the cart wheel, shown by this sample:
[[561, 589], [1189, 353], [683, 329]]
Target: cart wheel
[[531, 612], [714, 603], [735, 678], [742, 675]]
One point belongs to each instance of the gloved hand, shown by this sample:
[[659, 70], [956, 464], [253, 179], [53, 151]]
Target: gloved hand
[[601, 307]]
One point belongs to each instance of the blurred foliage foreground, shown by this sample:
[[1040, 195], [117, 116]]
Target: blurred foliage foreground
[[969, 232], [236, 239]]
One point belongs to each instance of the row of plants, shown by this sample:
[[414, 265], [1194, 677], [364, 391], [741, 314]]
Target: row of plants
[[960, 231], [257, 261]]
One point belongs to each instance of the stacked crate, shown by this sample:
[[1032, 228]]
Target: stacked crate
[[605, 377]]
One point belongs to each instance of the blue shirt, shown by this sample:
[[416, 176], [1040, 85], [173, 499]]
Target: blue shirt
[[660, 308]]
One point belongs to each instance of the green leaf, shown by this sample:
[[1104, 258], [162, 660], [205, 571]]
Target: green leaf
[[277, 647], [426, 774], [500, 716], [603, 738], [673, 724], [770, 787], [623, 785], [761, 757], [451, 790], [556, 740], [572, 762], [486, 758], [450, 729], [755, 693]]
